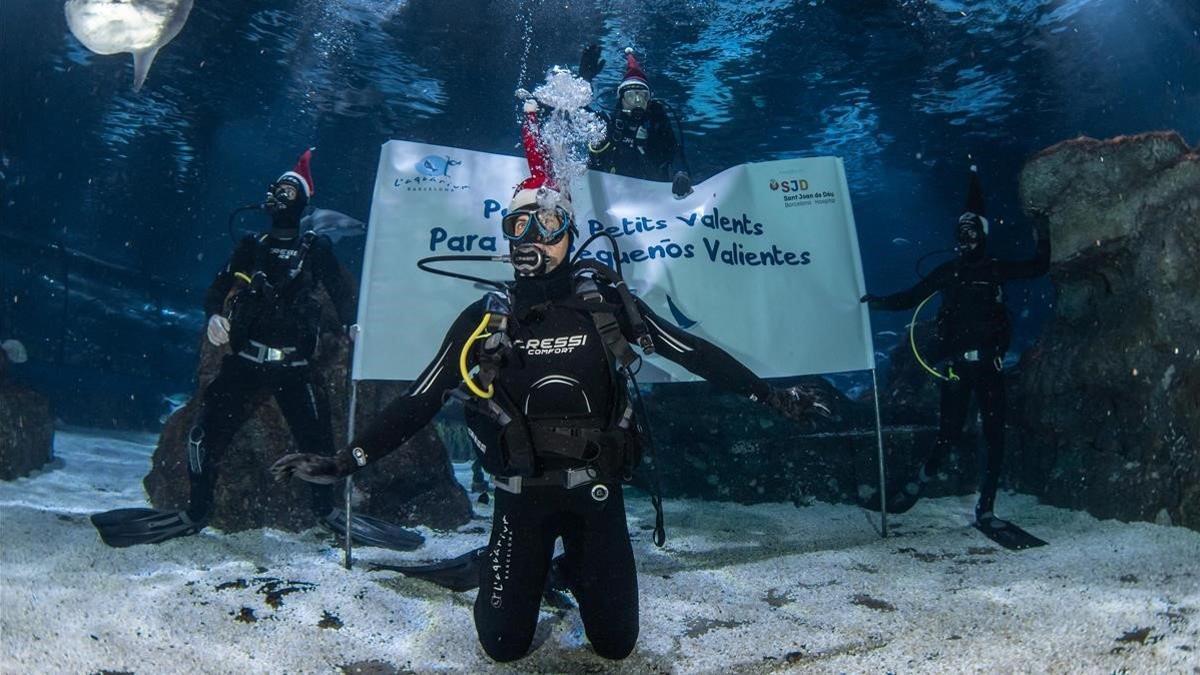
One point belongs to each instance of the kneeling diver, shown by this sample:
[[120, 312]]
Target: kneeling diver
[[552, 420]]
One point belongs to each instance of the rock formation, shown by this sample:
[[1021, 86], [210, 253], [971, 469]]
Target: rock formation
[[1108, 411], [414, 485], [26, 427]]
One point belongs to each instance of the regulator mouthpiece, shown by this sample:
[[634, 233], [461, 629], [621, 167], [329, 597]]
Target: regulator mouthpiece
[[528, 260]]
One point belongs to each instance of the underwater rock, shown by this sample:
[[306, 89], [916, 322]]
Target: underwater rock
[[26, 427], [1107, 412], [415, 485], [910, 395]]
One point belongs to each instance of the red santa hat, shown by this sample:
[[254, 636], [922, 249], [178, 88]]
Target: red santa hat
[[539, 187], [302, 172], [634, 75]]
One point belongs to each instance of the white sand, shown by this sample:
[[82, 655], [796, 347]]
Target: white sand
[[744, 589]]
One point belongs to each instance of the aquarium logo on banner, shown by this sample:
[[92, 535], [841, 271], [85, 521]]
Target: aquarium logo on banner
[[433, 175], [736, 263]]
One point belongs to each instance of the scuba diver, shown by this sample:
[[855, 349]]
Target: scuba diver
[[263, 305], [640, 142], [552, 418], [973, 330]]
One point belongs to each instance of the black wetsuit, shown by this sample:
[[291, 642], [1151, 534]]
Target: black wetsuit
[[558, 375], [274, 332], [643, 147], [973, 331]]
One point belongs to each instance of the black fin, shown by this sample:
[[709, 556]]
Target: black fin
[[457, 574], [120, 528], [1007, 535], [368, 531], [462, 574]]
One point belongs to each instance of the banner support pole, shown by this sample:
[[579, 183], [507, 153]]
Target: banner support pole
[[348, 560], [882, 477]]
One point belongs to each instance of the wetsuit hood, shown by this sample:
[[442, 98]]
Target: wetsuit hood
[[532, 292], [971, 236]]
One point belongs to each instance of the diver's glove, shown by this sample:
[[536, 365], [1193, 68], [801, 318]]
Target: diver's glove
[[682, 185], [800, 404], [218, 330], [317, 469], [873, 301], [590, 63]]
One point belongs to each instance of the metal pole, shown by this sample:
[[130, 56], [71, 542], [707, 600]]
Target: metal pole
[[349, 560], [882, 478]]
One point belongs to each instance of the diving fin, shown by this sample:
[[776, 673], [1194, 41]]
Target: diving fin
[[120, 528], [1007, 534], [457, 574], [368, 531], [557, 592], [462, 574]]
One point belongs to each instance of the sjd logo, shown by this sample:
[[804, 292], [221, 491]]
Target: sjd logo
[[435, 165], [790, 185]]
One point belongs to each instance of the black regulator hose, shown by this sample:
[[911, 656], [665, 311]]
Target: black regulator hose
[[616, 250], [925, 257], [423, 265], [234, 214]]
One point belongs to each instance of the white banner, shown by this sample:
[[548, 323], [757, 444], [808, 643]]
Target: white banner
[[762, 259]]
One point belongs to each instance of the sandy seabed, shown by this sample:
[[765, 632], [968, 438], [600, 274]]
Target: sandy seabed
[[737, 589]]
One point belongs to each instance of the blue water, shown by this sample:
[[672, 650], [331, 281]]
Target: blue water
[[125, 194]]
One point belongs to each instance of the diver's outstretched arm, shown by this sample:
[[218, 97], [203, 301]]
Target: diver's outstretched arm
[[400, 420], [701, 357], [718, 366], [909, 298], [590, 63], [1036, 266]]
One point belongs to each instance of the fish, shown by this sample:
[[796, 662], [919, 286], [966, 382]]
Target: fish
[[333, 224], [174, 402], [887, 333], [901, 241], [139, 27], [15, 351]]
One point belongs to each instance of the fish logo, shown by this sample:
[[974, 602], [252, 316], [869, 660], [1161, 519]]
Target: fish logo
[[680, 318], [435, 165]]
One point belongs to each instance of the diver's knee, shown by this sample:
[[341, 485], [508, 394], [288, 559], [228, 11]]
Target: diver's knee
[[503, 647], [614, 644]]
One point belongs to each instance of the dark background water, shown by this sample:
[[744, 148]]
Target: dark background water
[[113, 204]]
